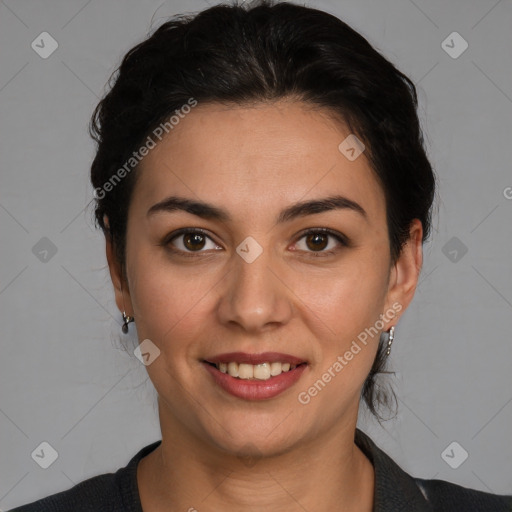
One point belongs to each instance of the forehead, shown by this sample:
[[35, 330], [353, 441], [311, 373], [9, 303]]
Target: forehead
[[256, 157]]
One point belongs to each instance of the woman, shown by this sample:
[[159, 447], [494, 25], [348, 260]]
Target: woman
[[264, 192]]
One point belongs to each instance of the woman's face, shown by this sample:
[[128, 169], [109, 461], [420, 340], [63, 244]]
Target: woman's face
[[253, 282]]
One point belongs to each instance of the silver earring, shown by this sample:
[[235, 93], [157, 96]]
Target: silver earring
[[391, 337], [126, 321]]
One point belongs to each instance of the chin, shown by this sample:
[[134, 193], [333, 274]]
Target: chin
[[244, 437]]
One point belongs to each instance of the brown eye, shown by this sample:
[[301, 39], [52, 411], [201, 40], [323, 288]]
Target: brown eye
[[187, 241], [194, 241], [318, 240]]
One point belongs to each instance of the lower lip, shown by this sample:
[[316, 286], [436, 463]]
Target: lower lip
[[249, 389]]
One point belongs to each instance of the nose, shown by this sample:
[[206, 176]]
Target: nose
[[254, 296]]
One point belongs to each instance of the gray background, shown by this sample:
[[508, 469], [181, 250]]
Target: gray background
[[65, 377]]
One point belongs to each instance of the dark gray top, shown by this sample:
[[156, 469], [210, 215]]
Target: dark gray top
[[395, 490]]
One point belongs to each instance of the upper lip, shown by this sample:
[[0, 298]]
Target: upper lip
[[263, 357]]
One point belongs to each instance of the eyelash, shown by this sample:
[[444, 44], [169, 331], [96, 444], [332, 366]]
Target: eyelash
[[343, 241]]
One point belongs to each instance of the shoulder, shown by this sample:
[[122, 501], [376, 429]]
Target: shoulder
[[110, 492], [446, 496], [397, 491], [95, 494]]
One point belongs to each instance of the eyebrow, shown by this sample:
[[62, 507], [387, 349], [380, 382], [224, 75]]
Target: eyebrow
[[300, 209]]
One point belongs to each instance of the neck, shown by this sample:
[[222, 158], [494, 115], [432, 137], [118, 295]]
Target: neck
[[186, 474]]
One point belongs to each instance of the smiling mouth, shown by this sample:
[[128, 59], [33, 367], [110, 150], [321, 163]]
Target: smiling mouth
[[262, 371]]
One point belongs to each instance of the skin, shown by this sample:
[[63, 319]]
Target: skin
[[253, 161]]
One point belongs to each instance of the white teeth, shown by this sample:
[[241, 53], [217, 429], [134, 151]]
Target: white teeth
[[245, 371], [275, 369], [233, 369], [263, 371]]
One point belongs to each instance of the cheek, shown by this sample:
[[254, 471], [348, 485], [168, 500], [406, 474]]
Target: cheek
[[343, 311], [170, 311], [169, 305], [351, 297]]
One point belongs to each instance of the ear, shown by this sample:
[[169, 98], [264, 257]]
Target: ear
[[121, 290], [405, 273]]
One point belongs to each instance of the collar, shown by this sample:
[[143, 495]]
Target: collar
[[395, 490]]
